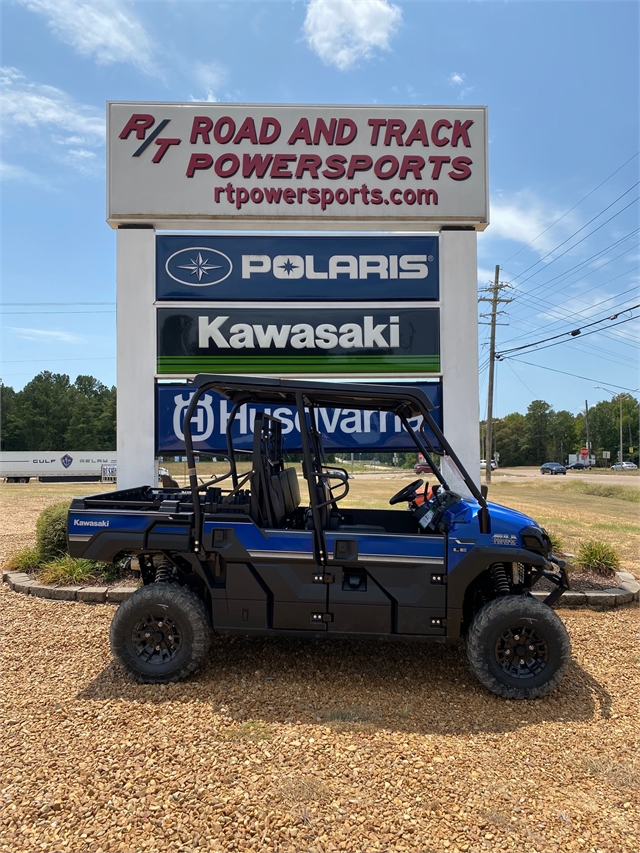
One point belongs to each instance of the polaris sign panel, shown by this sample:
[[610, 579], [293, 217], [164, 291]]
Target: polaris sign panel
[[342, 429], [369, 338], [332, 269], [288, 163]]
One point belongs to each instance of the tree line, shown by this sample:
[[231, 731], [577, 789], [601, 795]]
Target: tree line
[[544, 435], [52, 413]]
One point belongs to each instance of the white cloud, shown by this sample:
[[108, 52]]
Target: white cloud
[[47, 335], [458, 79], [48, 120], [211, 77], [38, 105], [523, 218], [105, 31], [11, 172], [342, 32]]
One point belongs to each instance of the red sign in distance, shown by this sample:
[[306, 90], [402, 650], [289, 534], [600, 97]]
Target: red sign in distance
[[584, 452]]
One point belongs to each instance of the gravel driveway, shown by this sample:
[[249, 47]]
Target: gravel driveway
[[304, 746]]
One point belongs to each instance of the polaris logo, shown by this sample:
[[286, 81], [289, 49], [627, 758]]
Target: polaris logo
[[199, 266], [327, 336], [354, 266]]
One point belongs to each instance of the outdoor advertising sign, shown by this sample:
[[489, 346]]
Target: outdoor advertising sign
[[294, 268], [342, 429], [280, 164], [362, 338]]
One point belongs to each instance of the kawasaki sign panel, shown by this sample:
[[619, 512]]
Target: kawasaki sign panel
[[273, 164], [332, 269], [370, 338], [342, 429]]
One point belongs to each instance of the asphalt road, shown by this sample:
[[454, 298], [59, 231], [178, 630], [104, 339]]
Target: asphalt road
[[600, 475]]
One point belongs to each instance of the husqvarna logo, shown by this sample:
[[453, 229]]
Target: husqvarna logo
[[199, 266], [202, 422]]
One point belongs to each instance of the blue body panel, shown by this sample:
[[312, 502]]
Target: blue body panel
[[464, 529]]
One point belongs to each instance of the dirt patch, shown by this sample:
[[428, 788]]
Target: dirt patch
[[295, 746]]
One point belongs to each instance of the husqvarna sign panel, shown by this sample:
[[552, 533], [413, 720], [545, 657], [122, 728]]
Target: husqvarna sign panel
[[369, 338], [293, 268], [289, 163], [342, 429]]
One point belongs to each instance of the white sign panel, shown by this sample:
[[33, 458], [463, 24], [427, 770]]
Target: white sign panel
[[192, 164]]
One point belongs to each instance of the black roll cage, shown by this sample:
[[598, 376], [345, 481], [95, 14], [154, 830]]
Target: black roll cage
[[401, 400]]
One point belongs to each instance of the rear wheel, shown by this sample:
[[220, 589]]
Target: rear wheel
[[518, 647], [161, 633]]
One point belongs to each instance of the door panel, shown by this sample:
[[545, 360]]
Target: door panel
[[296, 598], [358, 604]]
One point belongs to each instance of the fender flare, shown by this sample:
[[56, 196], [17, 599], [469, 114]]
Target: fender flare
[[477, 561]]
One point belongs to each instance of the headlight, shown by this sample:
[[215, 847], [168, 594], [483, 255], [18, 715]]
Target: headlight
[[535, 539]]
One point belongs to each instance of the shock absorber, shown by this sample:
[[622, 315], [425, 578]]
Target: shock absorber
[[500, 580], [164, 572]]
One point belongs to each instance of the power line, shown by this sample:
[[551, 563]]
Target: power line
[[563, 275], [574, 375], [586, 335], [574, 207], [44, 358], [575, 332], [56, 303], [614, 309], [571, 236]]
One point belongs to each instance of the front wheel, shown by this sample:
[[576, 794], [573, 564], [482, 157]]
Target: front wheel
[[518, 647], [161, 633]]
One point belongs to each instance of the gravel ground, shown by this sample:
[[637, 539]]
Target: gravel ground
[[303, 746]]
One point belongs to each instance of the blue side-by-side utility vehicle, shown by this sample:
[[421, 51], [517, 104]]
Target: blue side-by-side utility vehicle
[[247, 554]]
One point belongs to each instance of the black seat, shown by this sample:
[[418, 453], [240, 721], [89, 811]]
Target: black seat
[[284, 494]]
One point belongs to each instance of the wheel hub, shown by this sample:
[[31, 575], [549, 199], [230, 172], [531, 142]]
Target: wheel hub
[[156, 639], [521, 652]]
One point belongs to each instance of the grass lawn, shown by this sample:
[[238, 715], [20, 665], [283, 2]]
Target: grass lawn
[[560, 506]]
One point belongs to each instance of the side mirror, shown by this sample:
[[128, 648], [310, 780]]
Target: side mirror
[[485, 520]]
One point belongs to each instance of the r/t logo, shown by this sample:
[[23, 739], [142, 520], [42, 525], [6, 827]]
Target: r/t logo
[[203, 419], [140, 123]]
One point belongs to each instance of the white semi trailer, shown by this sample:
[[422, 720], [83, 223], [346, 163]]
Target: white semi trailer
[[55, 466]]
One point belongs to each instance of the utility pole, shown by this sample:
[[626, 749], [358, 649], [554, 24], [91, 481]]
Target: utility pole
[[586, 420], [621, 456], [494, 300]]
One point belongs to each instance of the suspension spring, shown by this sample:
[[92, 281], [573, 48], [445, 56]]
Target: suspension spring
[[164, 572], [500, 580]]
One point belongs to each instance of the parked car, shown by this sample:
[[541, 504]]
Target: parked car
[[422, 468], [577, 466], [624, 466], [552, 468], [483, 464]]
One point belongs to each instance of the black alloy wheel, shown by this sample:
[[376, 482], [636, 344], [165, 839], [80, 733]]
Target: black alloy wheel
[[518, 647], [161, 633]]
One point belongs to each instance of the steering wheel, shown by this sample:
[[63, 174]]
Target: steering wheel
[[407, 493]]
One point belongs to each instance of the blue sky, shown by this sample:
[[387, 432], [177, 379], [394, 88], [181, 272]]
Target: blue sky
[[561, 83]]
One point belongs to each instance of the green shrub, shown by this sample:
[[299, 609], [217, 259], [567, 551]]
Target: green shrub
[[51, 532], [27, 558], [599, 557], [557, 542], [67, 570]]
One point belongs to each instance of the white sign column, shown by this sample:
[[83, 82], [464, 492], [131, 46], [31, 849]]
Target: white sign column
[[459, 345], [136, 352]]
